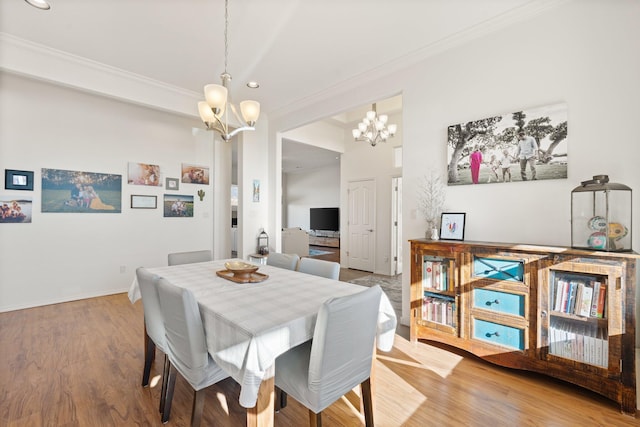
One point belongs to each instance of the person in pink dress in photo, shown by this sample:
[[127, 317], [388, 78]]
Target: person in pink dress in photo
[[476, 160]]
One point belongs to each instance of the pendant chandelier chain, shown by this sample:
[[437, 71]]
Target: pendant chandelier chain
[[226, 37]]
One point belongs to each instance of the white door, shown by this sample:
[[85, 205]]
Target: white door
[[396, 226], [362, 233]]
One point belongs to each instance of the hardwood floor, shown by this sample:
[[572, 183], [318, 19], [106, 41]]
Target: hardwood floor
[[80, 364]]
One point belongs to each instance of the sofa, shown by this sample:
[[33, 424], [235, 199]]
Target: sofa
[[295, 241]]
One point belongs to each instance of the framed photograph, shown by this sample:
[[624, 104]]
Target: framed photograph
[[15, 210], [192, 174], [144, 174], [139, 201], [525, 145], [452, 226], [18, 180], [172, 184], [67, 191], [178, 206], [256, 190]]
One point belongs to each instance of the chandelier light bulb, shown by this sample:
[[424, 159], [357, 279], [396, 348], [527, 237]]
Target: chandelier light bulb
[[383, 118], [356, 133], [392, 129], [362, 127], [206, 114], [250, 111], [371, 115], [216, 96]]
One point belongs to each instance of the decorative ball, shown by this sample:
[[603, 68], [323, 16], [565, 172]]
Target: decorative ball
[[617, 231], [598, 223], [597, 240]]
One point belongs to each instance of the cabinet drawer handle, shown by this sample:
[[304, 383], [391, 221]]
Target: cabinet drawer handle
[[489, 334], [495, 301]]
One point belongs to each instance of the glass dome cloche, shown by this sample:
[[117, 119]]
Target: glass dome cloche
[[601, 215]]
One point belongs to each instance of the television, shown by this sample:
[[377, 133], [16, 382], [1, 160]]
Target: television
[[325, 219]]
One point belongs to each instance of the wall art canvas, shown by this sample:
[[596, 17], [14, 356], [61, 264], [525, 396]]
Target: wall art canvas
[[15, 210], [76, 191], [143, 174], [192, 174], [525, 145], [178, 206], [256, 190]]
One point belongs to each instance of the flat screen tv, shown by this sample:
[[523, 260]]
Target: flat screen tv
[[325, 219]]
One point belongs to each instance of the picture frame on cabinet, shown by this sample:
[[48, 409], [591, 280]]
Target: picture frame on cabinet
[[452, 226], [18, 180]]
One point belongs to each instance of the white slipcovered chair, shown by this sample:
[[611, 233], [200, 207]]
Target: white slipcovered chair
[[319, 267], [319, 372], [288, 261], [154, 333], [187, 347], [178, 258]]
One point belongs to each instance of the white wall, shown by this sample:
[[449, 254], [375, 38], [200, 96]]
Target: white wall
[[61, 257], [319, 188]]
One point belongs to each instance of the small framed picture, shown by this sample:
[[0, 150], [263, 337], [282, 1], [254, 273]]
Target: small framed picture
[[18, 180], [172, 184], [143, 202], [452, 226]]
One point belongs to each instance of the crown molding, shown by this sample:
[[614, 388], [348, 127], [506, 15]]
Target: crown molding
[[26, 58]]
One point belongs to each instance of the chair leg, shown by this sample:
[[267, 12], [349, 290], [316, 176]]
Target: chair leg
[[315, 420], [367, 402], [281, 399], [171, 383], [165, 380], [198, 406], [149, 356]]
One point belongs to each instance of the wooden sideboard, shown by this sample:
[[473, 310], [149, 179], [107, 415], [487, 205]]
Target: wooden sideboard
[[566, 313]]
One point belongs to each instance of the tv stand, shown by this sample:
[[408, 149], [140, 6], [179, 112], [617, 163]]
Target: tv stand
[[326, 238]]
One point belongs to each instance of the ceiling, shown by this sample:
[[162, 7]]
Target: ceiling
[[297, 50]]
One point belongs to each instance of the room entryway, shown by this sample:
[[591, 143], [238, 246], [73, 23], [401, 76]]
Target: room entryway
[[362, 219]]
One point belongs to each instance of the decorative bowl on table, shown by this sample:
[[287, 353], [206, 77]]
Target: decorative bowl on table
[[240, 269]]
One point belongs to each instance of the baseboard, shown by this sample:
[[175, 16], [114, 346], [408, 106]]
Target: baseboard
[[63, 300]]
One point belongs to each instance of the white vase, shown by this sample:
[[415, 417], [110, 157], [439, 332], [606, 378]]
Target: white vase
[[434, 234]]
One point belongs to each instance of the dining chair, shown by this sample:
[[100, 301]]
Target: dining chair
[[319, 267], [337, 359], [154, 333], [178, 258], [288, 261], [187, 348]]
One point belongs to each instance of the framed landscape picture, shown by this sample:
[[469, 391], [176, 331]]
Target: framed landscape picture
[[15, 210], [81, 192], [525, 145], [143, 174], [192, 174], [178, 206]]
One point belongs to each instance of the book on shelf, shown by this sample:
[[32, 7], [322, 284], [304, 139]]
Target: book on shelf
[[585, 298], [439, 308], [435, 275]]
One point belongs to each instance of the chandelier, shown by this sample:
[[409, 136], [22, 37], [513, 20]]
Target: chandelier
[[218, 112], [373, 128]]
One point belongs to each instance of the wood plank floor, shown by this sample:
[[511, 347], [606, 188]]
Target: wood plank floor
[[80, 364]]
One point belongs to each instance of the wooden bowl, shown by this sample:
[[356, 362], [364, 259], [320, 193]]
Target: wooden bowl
[[241, 269]]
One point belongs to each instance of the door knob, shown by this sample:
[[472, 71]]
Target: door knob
[[370, 230]]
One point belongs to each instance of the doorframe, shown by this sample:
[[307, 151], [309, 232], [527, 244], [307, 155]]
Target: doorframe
[[396, 225]]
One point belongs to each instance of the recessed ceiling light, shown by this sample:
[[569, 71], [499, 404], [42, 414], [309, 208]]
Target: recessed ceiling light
[[253, 85], [40, 4]]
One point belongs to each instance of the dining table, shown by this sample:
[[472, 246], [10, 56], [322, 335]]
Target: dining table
[[248, 325]]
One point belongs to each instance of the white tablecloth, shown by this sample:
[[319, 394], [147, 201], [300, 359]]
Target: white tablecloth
[[248, 325]]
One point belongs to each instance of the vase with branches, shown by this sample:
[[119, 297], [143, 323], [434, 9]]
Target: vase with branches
[[431, 196]]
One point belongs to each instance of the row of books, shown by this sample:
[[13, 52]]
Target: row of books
[[435, 275], [580, 342], [438, 309], [586, 298]]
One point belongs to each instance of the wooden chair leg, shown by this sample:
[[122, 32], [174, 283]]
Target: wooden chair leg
[[149, 356], [315, 420], [367, 402], [165, 380], [198, 406], [171, 383]]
